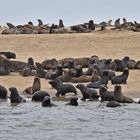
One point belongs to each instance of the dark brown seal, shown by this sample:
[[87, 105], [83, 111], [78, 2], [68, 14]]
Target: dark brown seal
[[119, 97], [35, 87]]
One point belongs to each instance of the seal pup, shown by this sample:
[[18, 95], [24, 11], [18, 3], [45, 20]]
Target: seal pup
[[47, 102], [15, 97], [39, 95], [121, 79], [88, 93]]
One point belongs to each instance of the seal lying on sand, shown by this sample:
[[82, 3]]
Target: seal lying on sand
[[88, 93], [121, 79], [39, 95], [62, 88], [85, 78], [5, 65], [18, 66], [3, 92], [15, 97], [47, 102], [8, 55], [67, 76], [49, 64]]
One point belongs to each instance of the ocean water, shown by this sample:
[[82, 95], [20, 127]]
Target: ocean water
[[88, 121]]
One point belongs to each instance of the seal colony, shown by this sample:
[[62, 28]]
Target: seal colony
[[60, 28], [102, 70]]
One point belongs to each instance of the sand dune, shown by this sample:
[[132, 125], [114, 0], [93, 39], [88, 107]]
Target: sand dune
[[108, 44]]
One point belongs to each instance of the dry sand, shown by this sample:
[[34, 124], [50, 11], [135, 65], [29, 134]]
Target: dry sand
[[108, 44]]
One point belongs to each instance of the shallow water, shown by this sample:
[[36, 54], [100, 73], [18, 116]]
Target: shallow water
[[88, 121]]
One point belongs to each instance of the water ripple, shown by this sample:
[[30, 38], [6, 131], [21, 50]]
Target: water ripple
[[90, 120]]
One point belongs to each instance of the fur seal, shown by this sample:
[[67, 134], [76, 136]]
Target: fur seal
[[3, 92], [61, 24], [104, 66], [40, 71], [111, 74], [8, 55], [71, 64], [40, 22], [85, 78], [117, 24], [15, 97], [131, 64], [78, 71], [88, 93], [26, 71], [73, 101], [104, 80], [119, 65], [39, 95], [106, 95], [18, 66], [91, 25], [47, 102], [62, 88], [92, 61], [54, 73], [35, 87], [113, 104], [48, 64], [137, 65], [67, 76], [5, 65], [119, 97], [121, 79]]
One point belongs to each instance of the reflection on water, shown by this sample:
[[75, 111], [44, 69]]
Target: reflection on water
[[88, 121]]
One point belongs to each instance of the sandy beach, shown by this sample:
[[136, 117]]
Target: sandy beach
[[107, 44]]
